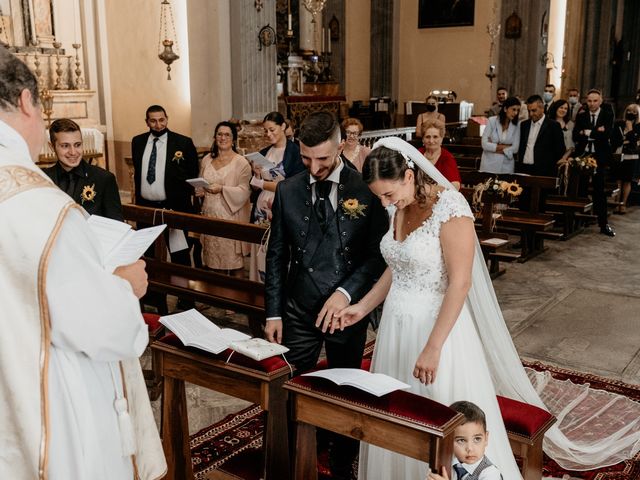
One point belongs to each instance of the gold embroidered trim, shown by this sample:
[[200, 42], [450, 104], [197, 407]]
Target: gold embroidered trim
[[45, 337], [15, 179]]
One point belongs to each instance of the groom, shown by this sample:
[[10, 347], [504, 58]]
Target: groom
[[324, 251]]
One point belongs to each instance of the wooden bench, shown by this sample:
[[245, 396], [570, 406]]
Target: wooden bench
[[256, 382], [206, 286], [401, 421], [527, 223]]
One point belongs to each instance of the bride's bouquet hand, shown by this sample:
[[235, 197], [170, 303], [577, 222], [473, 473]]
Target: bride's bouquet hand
[[426, 366], [350, 316]]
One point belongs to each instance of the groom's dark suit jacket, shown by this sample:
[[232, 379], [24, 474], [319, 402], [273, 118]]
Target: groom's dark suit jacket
[[547, 150], [178, 191], [308, 265]]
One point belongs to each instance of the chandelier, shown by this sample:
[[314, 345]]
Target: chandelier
[[314, 7], [167, 38]]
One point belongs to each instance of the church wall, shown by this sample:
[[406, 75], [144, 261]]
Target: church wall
[[139, 79], [454, 58], [357, 49]]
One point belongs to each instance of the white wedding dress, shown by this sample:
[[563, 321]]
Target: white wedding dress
[[419, 282]]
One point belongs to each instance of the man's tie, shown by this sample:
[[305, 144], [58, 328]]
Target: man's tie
[[322, 205], [151, 173], [69, 183], [593, 120], [460, 470]]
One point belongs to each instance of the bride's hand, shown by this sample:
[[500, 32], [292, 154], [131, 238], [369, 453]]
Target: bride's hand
[[351, 315], [426, 367]]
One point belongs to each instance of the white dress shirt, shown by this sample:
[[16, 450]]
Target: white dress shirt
[[533, 136], [155, 191]]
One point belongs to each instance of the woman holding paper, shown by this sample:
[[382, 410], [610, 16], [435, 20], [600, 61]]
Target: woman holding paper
[[283, 155], [226, 197]]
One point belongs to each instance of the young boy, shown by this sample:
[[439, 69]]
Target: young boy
[[469, 443]]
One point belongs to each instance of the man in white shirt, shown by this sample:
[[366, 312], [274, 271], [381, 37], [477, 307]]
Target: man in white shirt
[[74, 403]]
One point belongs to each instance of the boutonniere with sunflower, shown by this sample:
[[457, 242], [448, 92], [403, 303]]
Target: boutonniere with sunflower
[[177, 156], [88, 193], [352, 208]]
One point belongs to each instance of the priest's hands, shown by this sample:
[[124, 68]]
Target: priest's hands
[[327, 318], [136, 275], [273, 331]]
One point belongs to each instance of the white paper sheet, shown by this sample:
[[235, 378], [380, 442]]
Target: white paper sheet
[[197, 182], [133, 247], [377, 384], [258, 159]]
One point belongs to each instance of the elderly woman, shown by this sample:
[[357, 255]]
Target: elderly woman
[[440, 157], [501, 139], [431, 114], [353, 151], [626, 134], [226, 197]]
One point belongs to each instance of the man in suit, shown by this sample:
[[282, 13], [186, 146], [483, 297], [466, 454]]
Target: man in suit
[[501, 95], [162, 161], [573, 98], [541, 142], [592, 134], [92, 187], [321, 257], [548, 95]]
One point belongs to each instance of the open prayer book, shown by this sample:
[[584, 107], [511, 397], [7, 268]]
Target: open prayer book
[[377, 384], [120, 244], [195, 330], [198, 182], [258, 159]]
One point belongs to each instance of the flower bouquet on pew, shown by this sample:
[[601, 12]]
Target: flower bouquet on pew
[[499, 189], [585, 163]]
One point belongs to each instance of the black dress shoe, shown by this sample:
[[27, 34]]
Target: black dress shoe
[[607, 230]]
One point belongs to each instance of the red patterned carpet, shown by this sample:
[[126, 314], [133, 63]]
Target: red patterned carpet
[[235, 443]]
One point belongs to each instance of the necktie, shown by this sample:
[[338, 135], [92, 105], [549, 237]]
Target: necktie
[[71, 184], [593, 120], [460, 470], [151, 173], [322, 203]]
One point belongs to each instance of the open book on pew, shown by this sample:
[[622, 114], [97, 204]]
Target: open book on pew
[[120, 244], [377, 384], [195, 330]]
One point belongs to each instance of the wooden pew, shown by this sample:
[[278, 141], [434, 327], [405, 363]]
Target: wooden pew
[[570, 207], [400, 421], [256, 382], [529, 223], [212, 288]]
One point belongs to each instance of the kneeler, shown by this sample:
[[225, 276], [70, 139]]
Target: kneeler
[[152, 376], [525, 424]]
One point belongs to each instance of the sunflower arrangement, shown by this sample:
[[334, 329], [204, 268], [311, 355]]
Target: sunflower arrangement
[[585, 163], [353, 209], [88, 193], [501, 189]]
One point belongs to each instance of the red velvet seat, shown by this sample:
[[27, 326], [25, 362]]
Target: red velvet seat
[[522, 418], [267, 365], [152, 320]]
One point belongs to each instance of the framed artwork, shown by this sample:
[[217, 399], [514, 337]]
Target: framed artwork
[[445, 13]]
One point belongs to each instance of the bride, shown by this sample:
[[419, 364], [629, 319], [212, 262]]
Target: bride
[[442, 330]]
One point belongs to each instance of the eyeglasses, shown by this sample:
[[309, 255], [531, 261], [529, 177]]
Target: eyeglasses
[[223, 134], [352, 133]]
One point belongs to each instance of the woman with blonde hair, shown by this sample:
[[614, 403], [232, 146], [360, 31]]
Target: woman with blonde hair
[[440, 157], [353, 150]]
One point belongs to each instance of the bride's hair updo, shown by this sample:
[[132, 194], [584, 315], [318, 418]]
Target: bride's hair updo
[[386, 164]]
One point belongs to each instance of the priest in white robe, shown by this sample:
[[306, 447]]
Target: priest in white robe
[[73, 403]]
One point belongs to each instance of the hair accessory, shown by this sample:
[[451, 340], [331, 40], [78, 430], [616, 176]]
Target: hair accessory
[[409, 162]]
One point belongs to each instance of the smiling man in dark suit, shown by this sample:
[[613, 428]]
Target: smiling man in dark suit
[[162, 161], [323, 254], [92, 187]]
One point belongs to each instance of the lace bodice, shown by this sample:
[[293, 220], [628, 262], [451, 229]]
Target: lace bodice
[[417, 263]]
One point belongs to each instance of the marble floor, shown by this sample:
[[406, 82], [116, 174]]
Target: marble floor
[[576, 306]]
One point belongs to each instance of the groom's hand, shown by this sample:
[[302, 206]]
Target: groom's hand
[[327, 318], [273, 331]]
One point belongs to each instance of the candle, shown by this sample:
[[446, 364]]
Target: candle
[[328, 40], [289, 27], [322, 48]]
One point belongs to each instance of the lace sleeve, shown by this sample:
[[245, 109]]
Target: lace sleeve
[[451, 204]]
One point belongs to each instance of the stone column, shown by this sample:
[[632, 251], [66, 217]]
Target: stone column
[[381, 46], [253, 71]]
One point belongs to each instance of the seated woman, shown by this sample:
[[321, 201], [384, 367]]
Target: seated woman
[[431, 114], [226, 197], [440, 157], [559, 111], [501, 139], [626, 134], [353, 150]]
